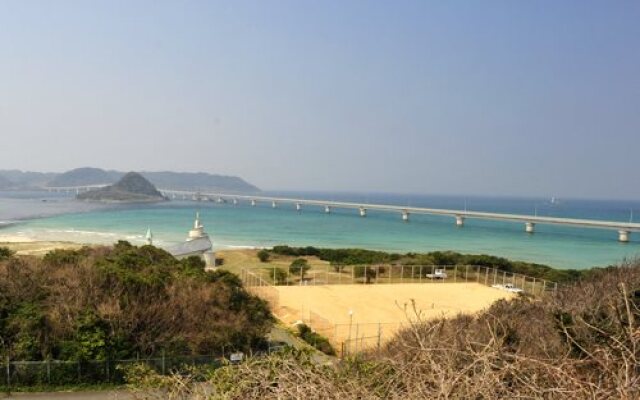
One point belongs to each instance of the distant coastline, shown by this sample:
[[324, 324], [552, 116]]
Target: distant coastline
[[89, 176]]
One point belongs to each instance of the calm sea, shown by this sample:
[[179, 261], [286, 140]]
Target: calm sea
[[46, 216]]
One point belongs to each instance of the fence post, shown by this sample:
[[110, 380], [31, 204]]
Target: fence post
[[455, 274], [390, 272], [164, 363], [353, 274], [8, 372], [379, 335], [413, 272], [357, 330], [466, 273], [533, 289]]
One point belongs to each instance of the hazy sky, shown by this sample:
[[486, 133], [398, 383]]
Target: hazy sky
[[473, 97]]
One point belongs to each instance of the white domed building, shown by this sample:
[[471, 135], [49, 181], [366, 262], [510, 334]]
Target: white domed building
[[197, 243]]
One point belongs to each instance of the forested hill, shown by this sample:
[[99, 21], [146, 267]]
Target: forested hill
[[95, 176], [133, 187]]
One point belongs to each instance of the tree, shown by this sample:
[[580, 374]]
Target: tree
[[367, 272], [263, 255], [299, 266], [5, 253], [280, 276]]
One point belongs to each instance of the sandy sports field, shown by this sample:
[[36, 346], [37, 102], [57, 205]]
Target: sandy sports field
[[378, 308]]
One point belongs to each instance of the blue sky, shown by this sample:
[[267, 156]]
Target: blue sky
[[475, 97]]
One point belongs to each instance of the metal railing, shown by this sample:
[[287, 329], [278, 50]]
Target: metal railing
[[397, 274]]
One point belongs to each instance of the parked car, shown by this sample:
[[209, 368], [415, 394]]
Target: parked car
[[438, 274]]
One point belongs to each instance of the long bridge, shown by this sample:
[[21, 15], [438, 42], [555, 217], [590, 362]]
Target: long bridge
[[624, 228]]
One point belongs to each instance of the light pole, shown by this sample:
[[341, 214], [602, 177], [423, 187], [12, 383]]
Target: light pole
[[350, 326]]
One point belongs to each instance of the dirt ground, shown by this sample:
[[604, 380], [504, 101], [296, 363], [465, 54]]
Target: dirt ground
[[341, 312]]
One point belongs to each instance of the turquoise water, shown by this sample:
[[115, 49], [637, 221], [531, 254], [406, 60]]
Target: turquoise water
[[242, 225]]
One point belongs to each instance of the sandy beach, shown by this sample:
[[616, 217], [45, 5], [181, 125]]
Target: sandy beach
[[31, 247]]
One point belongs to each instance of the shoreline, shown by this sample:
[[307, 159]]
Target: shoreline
[[28, 245]]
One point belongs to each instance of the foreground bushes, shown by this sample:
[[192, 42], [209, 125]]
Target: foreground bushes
[[123, 302]]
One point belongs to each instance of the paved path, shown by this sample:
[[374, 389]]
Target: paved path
[[280, 334]]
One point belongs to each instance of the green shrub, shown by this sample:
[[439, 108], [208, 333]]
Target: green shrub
[[263, 255], [5, 253], [316, 340], [299, 266]]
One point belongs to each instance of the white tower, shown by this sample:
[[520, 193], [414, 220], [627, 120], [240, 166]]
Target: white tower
[[198, 230], [149, 237]]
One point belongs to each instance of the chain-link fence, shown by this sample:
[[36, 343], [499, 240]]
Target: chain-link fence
[[59, 373], [262, 278]]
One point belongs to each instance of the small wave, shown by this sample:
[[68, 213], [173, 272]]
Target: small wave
[[84, 233], [6, 224]]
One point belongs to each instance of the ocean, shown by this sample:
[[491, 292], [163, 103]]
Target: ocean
[[51, 216]]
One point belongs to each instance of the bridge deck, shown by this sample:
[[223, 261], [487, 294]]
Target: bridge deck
[[586, 223]]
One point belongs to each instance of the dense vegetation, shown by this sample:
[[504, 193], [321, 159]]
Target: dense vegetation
[[582, 343], [132, 187], [363, 257], [120, 302]]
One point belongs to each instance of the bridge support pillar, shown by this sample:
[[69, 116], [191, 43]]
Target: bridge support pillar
[[529, 227], [405, 216], [274, 204], [623, 236], [253, 203], [298, 206], [363, 212], [327, 209], [459, 220]]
